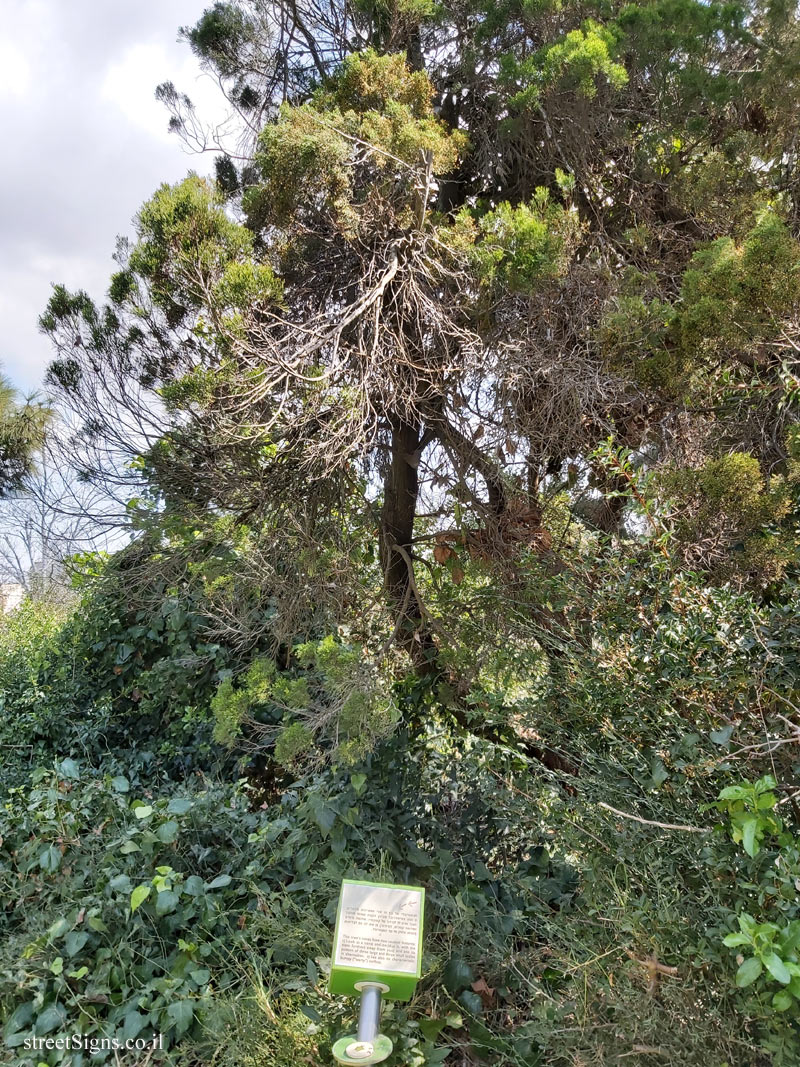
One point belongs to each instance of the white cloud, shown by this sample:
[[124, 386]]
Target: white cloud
[[15, 72], [85, 144]]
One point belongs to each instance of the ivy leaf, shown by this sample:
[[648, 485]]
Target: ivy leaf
[[74, 942], [194, 886], [167, 832], [132, 1024], [181, 1014], [457, 974], [166, 901], [471, 1001], [50, 859], [53, 1016], [721, 737], [139, 896], [68, 768]]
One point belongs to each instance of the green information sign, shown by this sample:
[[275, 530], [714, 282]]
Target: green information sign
[[378, 939]]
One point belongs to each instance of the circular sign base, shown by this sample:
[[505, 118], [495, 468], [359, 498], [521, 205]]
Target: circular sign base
[[347, 1050]]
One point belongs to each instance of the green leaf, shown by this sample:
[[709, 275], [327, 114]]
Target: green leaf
[[179, 806], [59, 927], [721, 737], [194, 886], [219, 882], [782, 1000], [747, 923], [133, 1023], [732, 940], [166, 901], [129, 847], [139, 896], [53, 1016], [304, 858], [20, 1017], [68, 768], [358, 781], [457, 974], [142, 811], [748, 972], [658, 773], [50, 859], [777, 968], [749, 831], [74, 942], [733, 792], [471, 1001], [167, 832], [431, 1028], [120, 783], [181, 1014]]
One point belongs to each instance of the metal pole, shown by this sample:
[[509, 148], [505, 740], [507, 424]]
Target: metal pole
[[369, 1016]]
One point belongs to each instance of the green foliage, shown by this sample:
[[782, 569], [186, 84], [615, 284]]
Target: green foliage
[[254, 1029], [734, 295], [22, 430], [393, 286], [577, 62], [332, 695], [129, 913], [750, 808], [229, 707], [307, 158], [518, 248], [635, 338], [729, 513], [186, 245], [368, 82], [772, 944]]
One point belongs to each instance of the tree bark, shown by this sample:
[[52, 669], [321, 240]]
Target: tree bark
[[401, 490]]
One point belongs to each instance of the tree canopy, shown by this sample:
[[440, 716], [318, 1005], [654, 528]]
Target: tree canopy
[[21, 436], [455, 423], [459, 248]]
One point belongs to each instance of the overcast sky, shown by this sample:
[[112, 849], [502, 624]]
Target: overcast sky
[[84, 143]]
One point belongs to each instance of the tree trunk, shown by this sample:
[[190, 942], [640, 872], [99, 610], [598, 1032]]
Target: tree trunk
[[401, 489]]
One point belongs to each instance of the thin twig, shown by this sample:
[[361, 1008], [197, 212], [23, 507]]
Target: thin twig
[[652, 822]]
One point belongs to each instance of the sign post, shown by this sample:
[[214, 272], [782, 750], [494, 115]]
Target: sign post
[[377, 951]]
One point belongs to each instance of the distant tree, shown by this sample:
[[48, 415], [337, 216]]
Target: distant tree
[[53, 519], [22, 427]]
